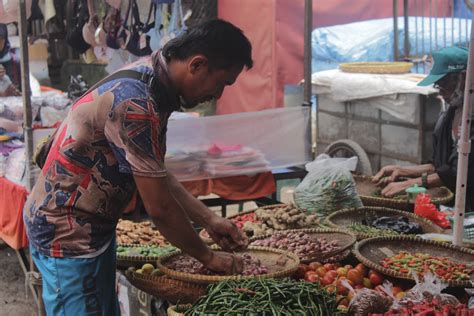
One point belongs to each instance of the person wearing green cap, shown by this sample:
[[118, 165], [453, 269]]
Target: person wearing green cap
[[448, 74]]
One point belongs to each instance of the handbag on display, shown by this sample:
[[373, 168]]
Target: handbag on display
[[78, 16], [139, 42], [113, 25]]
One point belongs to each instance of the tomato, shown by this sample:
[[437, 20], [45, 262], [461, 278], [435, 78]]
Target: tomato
[[366, 283], [376, 278], [344, 302], [308, 273], [396, 290], [321, 271], [314, 265], [300, 272], [342, 271], [341, 289], [332, 273], [361, 268], [326, 280], [355, 276], [329, 266], [313, 277], [348, 267]]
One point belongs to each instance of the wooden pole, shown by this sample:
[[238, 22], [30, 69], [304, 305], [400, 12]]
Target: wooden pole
[[464, 148]]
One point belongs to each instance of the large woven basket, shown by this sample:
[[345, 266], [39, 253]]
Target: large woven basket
[[366, 188], [345, 242], [205, 236], [344, 218], [166, 288], [268, 257], [371, 251], [377, 67]]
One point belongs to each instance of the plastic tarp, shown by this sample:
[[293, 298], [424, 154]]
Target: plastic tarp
[[373, 40], [237, 144]]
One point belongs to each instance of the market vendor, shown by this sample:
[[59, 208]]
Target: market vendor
[[112, 142], [449, 76]]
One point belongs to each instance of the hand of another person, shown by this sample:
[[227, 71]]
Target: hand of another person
[[396, 187], [224, 262], [226, 234], [386, 175]]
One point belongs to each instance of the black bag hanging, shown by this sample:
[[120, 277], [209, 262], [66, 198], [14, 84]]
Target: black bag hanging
[[139, 42], [78, 15]]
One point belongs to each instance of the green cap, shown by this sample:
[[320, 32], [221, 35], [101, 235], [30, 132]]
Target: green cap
[[446, 61], [415, 189]]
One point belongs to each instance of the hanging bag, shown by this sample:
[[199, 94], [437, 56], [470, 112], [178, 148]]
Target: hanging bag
[[139, 42], [78, 15]]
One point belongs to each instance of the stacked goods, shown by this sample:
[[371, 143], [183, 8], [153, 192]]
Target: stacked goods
[[133, 233], [298, 243], [433, 307], [188, 264], [265, 297], [281, 217], [147, 251], [420, 263]]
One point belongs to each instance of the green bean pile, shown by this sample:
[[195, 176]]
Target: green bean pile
[[266, 297]]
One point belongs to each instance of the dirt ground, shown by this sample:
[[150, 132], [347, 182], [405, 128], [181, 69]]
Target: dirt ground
[[13, 300]]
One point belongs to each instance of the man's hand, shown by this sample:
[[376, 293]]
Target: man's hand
[[386, 175], [228, 236], [223, 262], [396, 187]]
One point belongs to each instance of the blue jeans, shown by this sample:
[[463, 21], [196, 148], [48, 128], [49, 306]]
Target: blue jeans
[[78, 286]]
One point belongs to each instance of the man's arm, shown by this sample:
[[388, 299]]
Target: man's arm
[[171, 220], [221, 230]]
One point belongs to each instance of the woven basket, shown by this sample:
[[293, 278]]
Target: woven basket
[[344, 218], [166, 288], [366, 188], [268, 257], [205, 235], [124, 262], [177, 310], [371, 251], [345, 241], [377, 67]]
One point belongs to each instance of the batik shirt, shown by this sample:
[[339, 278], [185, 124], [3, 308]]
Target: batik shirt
[[110, 134]]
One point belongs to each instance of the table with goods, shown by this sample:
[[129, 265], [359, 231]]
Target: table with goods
[[369, 260]]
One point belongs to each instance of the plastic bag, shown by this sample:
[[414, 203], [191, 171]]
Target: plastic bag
[[428, 289], [366, 301], [327, 187]]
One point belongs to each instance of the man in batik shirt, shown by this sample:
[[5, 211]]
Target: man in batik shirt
[[113, 142]]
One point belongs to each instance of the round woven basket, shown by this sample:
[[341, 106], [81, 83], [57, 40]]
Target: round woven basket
[[166, 288], [377, 67], [345, 241], [268, 256], [344, 218], [366, 188], [371, 251], [178, 310], [136, 261], [205, 235]]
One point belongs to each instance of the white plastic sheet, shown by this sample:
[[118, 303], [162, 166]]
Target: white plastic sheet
[[237, 144]]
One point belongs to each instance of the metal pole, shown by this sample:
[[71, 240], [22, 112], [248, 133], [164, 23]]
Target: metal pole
[[395, 30], [464, 147], [26, 93], [308, 26], [406, 42], [27, 121]]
